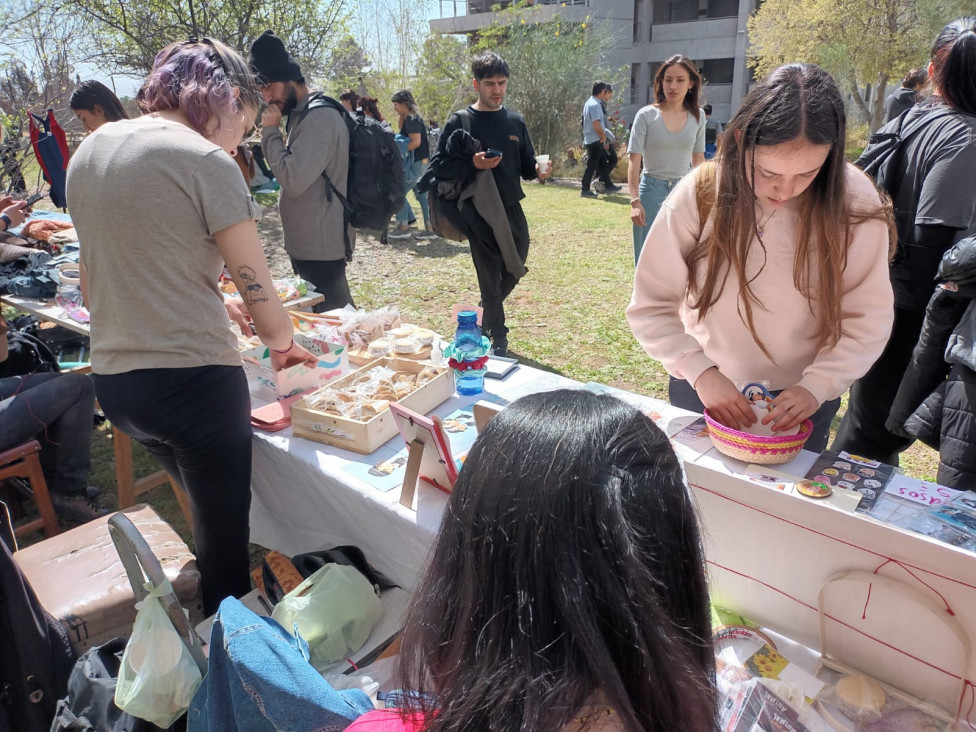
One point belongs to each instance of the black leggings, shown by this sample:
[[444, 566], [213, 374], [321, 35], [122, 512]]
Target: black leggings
[[862, 431], [196, 421]]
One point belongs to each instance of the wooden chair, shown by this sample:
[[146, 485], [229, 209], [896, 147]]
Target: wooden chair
[[129, 487], [24, 462]]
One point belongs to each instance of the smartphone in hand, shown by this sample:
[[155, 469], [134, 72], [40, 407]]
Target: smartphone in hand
[[31, 200], [493, 153]]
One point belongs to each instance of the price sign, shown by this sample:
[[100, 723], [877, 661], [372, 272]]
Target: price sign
[[928, 494]]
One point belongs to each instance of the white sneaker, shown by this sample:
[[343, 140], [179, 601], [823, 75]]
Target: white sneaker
[[428, 234], [400, 234]]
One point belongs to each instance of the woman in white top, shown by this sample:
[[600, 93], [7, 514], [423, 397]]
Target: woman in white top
[[668, 139]]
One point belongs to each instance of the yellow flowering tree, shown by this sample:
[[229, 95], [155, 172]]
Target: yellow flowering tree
[[859, 41]]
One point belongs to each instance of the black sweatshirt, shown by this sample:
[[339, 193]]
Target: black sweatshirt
[[502, 130]]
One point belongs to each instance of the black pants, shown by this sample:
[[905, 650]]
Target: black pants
[[597, 163], [494, 281], [682, 394], [196, 421], [862, 430], [329, 278]]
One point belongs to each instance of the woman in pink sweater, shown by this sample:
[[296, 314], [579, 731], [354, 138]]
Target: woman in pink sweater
[[771, 265]]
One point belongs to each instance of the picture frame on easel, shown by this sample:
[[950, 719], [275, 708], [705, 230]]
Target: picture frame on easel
[[429, 455]]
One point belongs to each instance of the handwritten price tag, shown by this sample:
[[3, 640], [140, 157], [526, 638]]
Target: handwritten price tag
[[928, 494]]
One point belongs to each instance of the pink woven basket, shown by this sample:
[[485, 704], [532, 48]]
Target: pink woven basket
[[757, 448]]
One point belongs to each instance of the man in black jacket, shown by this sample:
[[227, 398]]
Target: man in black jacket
[[506, 150]]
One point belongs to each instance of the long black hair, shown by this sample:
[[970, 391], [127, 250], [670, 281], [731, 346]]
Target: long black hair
[[568, 569], [90, 93], [954, 64]]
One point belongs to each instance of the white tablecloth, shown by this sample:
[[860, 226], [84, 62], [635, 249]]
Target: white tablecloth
[[303, 500]]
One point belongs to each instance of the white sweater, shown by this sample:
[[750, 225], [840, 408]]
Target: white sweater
[[670, 330]]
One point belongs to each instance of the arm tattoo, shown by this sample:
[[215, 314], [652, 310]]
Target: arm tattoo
[[253, 291]]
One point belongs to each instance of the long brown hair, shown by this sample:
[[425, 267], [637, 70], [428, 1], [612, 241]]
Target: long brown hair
[[794, 103], [692, 97]]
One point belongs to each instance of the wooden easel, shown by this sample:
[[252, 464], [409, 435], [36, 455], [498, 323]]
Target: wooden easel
[[415, 456]]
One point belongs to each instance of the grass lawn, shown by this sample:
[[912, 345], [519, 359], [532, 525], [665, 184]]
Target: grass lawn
[[566, 315]]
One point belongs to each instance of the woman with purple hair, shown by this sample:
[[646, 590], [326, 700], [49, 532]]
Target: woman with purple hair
[[160, 207]]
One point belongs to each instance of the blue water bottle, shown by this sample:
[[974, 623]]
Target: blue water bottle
[[468, 355]]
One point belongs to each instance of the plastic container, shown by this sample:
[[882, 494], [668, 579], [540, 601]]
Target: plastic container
[[468, 348]]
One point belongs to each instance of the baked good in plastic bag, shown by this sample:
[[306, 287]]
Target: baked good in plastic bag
[[859, 698]]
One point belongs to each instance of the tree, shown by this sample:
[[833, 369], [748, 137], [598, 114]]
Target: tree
[[37, 60], [348, 65], [394, 31], [127, 34], [858, 41], [443, 82], [553, 63]]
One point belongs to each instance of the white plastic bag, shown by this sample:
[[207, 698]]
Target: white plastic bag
[[334, 609], [158, 676]]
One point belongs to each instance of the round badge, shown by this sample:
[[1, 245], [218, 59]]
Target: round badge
[[814, 489], [830, 471], [852, 477]]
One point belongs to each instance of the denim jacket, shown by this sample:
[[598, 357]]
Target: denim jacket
[[260, 680]]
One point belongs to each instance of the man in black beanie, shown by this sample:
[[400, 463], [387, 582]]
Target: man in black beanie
[[317, 142]]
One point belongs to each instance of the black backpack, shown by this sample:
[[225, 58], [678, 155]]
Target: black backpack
[[27, 355], [882, 157], [375, 189], [882, 160]]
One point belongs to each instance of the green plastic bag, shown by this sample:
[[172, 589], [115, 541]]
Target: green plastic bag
[[158, 676], [334, 610]]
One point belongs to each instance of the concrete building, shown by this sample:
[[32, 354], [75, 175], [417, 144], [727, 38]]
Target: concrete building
[[710, 32]]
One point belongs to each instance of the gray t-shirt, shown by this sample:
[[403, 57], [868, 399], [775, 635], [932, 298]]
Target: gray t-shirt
[[146, 196], [938, 175], [667, 155]]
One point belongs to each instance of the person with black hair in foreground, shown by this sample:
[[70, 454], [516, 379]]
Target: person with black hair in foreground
[[566, 590]]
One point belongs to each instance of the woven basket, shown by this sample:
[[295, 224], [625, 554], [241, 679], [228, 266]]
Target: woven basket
[[757, 448]]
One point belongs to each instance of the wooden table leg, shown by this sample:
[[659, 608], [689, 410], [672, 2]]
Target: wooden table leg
[[129, 487], [123, 467]]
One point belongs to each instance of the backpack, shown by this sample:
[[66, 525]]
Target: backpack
[[882, 160], [882, 157], [439, 223], [27, 355], [375, 188]]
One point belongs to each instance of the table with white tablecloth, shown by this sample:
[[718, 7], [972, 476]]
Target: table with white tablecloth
[[303, 498]]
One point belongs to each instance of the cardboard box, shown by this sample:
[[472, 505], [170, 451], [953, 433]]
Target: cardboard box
[[265, 383], [365, 437]]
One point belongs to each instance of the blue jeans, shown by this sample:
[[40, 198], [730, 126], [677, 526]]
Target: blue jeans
[[259, 680], [406, 213], [682, 394], [56, 410], [653, 191]]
